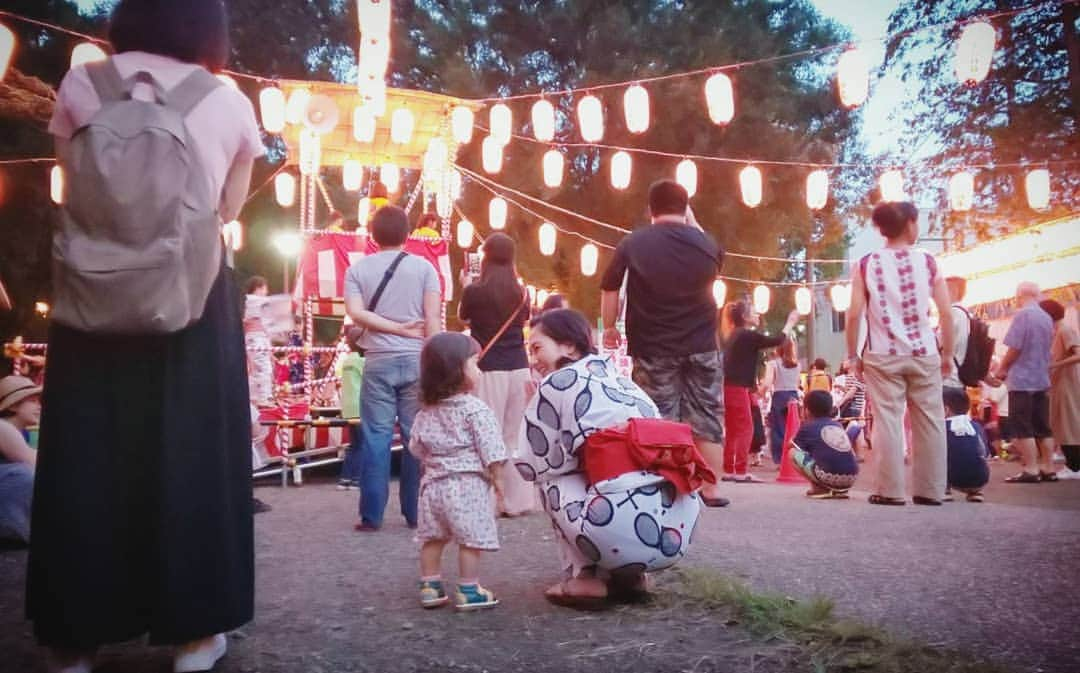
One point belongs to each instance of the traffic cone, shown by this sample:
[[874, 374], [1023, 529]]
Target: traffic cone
[[788, 473]]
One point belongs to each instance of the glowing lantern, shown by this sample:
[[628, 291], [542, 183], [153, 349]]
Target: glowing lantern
[[840, 294], [686, 175], [465, 233], [401, 126], [233, 234], [390, 176], [497, 213], [272, 109], [804, 300], [455, 185], [435, 159], [636, 109], [228, 81], [542, 297], [891, 185], [285, 189], [363, 124], [310, 152], [547, 239], [501, 122], [817, 189], [1037, 186], [56, 184], [493, 154], [853, 78], [461, 123], [363, 211], [961, 191], [762, 295], [974, 52], [591, 119], [621, 164], [443, 204], [719, 291], [352, 175], [297, 105], [750, 184], [88, 52], [7, 49], [553, 168], [720, 98], [590, 256], [543, 120], [531, 289]]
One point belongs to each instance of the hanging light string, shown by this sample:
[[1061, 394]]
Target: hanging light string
[[53, 26], [254, 192], [29, 160]]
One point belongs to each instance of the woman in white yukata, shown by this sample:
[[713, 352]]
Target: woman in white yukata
[[610, 533]]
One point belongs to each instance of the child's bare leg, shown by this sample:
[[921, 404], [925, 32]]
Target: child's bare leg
[[431, 558], [468, 565]]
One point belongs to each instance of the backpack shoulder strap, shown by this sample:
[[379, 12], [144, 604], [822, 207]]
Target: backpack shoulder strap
[[106, 80], [191, 91]]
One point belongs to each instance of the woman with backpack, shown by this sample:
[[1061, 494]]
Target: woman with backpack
[[142, 511]]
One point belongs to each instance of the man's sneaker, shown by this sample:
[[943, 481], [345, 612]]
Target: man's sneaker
[[346, 485], [1066, 473], [474, 597], [432, 594]]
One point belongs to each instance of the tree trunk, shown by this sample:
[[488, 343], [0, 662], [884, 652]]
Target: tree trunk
[[1069, 14]]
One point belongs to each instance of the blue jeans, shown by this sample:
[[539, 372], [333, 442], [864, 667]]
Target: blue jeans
[[350, 467], [777, 421], [390, 392], [16, 489]]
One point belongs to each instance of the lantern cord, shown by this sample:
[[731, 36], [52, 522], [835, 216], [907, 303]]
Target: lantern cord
[[29, 160], [53, 26], [252, 193]]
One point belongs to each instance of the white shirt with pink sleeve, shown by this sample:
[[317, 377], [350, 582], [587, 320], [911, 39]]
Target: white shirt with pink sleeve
[[899, 285]]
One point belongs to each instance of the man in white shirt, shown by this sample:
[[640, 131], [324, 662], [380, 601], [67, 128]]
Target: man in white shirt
[[961, 328]]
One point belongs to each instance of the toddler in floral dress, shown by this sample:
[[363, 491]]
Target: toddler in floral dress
[[457, 438]]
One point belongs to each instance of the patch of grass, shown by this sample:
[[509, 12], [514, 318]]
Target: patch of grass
[[813, 638]]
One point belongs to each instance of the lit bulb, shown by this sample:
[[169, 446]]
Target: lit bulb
[[891, 185], [297, 105], [553, 168], [390, 176], [686, 175], [465, 233], [975, 52], [547, 239], [492, 151], [962, 191], [636, 109], [501, 122], [1037, 186], [228, 81], [817, 189], [590, 256], [86, 52], [363, 124], [461, 122], [853, 78], [803, 300], [7, 49], [401, 126], [352, 175], [720, 98], [285, 189], [762, 296], [621, 169], [543, 120], [272, 109], [840, 294], [363, 211], [719, 292], [591, 119], [233, 235], [56, 184], [497, 213], [750, 185]]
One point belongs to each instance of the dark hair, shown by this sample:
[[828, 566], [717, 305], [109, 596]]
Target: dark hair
[[820, 363], [667, 197], [427, 220], [818, 403], [553, 302], [498, 275], [442, 365], [1053, 308], [892, 217], [390, 226], [734, 316], [254, 283], [195, 31], [566, 326], [7, 413], [378, 191], [352, 338], [956, 401]]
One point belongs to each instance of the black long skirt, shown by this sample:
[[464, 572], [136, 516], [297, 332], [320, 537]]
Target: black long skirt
[[142, 516]]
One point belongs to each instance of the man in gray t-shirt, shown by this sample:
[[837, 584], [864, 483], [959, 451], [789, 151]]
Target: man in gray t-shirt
[[407, 311]]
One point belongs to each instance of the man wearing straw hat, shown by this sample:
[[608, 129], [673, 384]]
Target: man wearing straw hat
[[20, 408]]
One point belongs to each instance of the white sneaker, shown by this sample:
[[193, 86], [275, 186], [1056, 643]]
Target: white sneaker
[[199, 655], [1066, 473]]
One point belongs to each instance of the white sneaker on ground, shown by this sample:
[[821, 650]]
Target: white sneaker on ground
[[199, 655], [1066, 473]]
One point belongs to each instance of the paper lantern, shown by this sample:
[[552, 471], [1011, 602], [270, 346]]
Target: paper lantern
[[363, 211], [817, 189], [228, 81], [636, 109], [840, 294], [542, 297], [390, 176], [804, 300], [435, 159], [7, 49], [686, 175], [543, 120], [501, 123], [492, 151], [272, 109], [310, 152], [497, 213], [285, 189], [465, 233], [531, 289], [853, 78], [720, 98], [547, 239], [352, 175], [975, 52], [363, 125], [1037, 186], [56, 184], [891, 185], [233, 235], [590, 114], [590, 256], [461, 124], [750, 185], [553, 168], [88, 52], [456, 185], [297, 105], [719, 292], [962, 191], [621, 165], [401, 126], [762, 295]]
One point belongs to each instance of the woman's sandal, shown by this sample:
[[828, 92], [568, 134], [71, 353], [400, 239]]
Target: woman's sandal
[[577, 602], [884, 500]]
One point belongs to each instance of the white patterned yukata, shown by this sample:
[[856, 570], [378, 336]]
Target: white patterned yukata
[[457, 440], [635, 522]]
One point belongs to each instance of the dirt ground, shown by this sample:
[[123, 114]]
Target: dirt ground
[[995, 580]]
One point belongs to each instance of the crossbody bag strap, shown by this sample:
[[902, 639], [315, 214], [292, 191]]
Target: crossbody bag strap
[[506, 325], [386, 279]]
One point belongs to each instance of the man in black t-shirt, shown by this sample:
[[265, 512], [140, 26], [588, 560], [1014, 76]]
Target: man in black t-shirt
[[671, 319]]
